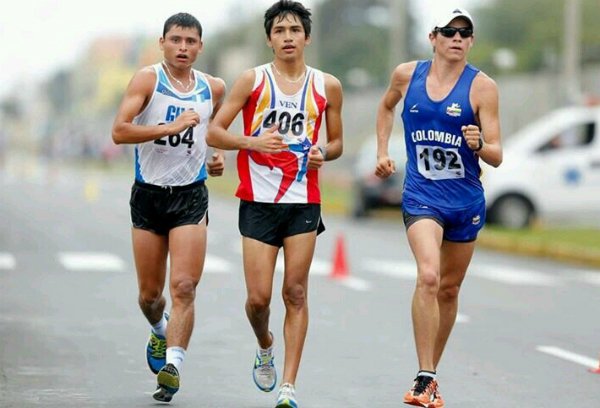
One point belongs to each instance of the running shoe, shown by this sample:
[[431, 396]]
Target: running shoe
[[424, 393], [263, 373], [168, 383], [156, 350], [439, 401], [286, 397]]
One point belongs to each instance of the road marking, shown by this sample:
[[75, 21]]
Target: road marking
[[569, 356], [513, 276], [320, 267], [354, 283], [91, 261], [215, 264], [7, 261], [591, 277], [396, 269], [461, 318]]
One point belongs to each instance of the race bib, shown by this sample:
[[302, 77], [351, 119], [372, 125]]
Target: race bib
[[292, 126], [437, 163]]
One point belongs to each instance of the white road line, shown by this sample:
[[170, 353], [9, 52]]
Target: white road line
[[396, 269], [513, 276], [91, 261], [569, 356], [7, 261], [355, 283], [323, 268], [215, 264], [590, 277], [461, 318]]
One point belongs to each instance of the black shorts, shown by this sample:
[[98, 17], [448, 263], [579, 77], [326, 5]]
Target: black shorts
[[271, 223], [161, 208]]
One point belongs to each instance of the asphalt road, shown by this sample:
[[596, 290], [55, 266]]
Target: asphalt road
[[71, 334]]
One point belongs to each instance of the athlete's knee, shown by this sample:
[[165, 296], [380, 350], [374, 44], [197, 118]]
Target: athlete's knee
[[428, 279], [149, 298], [184, 289], [448, 293], [294, 295], [258, 303]]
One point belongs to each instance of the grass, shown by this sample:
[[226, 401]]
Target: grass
[[578, 245]]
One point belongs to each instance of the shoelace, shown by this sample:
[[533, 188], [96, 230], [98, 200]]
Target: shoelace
[[158, 347], [423, 383], [287, 391], [265, 363]]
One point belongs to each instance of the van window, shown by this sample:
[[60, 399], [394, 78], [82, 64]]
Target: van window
[[576, 136]]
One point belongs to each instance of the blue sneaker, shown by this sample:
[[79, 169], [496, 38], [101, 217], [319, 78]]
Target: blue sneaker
[[263, 373], [286, 397], [168, 383], [156, 350]]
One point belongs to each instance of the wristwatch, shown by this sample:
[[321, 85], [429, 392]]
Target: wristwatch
[[480, 145]]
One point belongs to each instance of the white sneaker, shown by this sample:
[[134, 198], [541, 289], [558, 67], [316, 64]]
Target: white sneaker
[[263, 373], [286, 397]]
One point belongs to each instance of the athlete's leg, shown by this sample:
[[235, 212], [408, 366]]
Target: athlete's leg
[[425, 239], [298, 253], [455, 259], [187, 247], [150, 255], [259, 267]]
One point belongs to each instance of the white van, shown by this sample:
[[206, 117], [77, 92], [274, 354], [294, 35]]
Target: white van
[[550, 172]]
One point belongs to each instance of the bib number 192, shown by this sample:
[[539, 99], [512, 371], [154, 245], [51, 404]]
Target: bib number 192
[[437, 163]]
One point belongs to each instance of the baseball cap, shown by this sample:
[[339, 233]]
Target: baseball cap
[[446, 18]]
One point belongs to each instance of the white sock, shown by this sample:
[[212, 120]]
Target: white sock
[[426, 373], [175, 356], [160, 328]]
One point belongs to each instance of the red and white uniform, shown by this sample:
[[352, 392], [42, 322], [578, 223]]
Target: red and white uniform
[[282, 177]]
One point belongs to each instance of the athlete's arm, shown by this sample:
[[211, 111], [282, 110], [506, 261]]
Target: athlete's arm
[[333, 119], [386, 113], [216, 164], [484, 93], [218, 134], [137, 95]]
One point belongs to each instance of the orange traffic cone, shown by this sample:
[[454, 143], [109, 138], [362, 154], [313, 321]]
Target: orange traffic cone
[[595, 370], [340, 263]]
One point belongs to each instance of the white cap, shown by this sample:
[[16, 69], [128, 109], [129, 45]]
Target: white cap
[[447, 18]]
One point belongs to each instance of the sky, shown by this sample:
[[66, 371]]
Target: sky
[[40, 37]]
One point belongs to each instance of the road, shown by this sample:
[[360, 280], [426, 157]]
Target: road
[[71, 333]]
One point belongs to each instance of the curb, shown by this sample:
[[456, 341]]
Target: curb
[[565, 253]]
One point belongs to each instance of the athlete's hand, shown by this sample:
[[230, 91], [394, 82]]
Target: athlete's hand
[[188, 118], [385, 167], [269, 142], [315, 158], [217, 164], [472, 135]]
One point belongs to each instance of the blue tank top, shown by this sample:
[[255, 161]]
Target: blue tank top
[[441, 170]]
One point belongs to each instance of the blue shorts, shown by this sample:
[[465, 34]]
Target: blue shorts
[[461, 225]]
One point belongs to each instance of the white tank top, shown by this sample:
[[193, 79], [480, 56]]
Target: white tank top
[[179, 159]]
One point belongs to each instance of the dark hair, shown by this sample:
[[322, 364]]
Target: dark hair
[[284, 7], [184, 20]]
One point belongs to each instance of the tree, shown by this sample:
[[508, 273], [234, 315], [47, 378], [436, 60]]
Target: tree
[[533, 31]]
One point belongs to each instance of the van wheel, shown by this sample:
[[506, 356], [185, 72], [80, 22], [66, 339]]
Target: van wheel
[[512, 212]]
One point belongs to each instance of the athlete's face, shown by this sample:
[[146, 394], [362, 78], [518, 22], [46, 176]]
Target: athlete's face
[[455, 47], [181, 46], [287, 37]]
